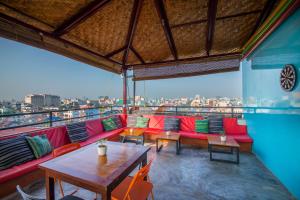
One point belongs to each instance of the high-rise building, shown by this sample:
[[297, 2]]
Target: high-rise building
[[51, 100], [36, 100]]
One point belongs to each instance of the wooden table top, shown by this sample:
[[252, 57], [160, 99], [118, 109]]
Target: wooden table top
[[135, 132], [216, 140], [173, 136], [87, 166]]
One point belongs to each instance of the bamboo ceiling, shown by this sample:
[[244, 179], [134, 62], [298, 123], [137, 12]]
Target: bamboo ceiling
[[137, 34]]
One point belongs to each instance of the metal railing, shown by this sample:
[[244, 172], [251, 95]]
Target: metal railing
[[50, 118]]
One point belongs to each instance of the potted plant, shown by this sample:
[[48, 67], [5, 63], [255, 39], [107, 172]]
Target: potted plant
[[102, 148], [223, 136]]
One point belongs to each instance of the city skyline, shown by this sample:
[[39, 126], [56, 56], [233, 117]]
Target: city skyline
[[40, 71]]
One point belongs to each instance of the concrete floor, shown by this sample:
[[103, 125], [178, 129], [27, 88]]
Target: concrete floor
[[192, 176]]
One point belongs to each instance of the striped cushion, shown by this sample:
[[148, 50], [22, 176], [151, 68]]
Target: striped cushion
[[171, 124], [131, 121], [109, 124], [215, 124], [14, 151], [201, 126], [117, 121], [40, 145], [77, 132], [142, 122]]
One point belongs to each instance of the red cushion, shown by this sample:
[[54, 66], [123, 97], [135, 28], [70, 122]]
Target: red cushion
[[102, 135], [201, 136], [242, 138], [231, 127], [156, 121], [153, 131], [94, 127], [16, 171], [187, 123]]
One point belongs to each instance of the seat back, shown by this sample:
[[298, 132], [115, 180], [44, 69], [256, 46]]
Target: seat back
[[140, 176], [65, 149], [26, 196]]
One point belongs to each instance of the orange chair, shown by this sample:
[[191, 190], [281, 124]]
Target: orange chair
[[135, 188], [61, 151]]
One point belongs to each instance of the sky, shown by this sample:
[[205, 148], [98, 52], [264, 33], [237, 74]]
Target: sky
[[27, 70]]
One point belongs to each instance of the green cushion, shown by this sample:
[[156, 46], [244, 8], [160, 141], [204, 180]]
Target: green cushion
[[201, 126], [109, 124], [40, 145], [142, 122]]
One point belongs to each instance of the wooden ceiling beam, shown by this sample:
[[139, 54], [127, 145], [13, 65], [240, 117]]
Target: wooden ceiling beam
[[115, 52], [160, 8], [211, 16], [135, 13], [79, 17], [264, 14], [218, 18], [137, 55]]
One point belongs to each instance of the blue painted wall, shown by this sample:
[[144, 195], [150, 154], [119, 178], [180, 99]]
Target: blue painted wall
[[276, 134]]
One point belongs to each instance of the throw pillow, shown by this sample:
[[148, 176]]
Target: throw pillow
[[201, 126], [215, 124], [131, 121], [171, 124], [14, 151], [40, 145], [117, 121], [77, 132], [109, 124], [142, 122]]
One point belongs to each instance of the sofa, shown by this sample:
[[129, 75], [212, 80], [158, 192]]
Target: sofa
[[27, 172]]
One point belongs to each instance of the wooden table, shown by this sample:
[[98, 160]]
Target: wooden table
[[172, 137], [136, 134], [100, 174], [215, 145]]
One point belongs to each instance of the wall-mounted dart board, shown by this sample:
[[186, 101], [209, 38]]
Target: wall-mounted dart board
[[288, 78]]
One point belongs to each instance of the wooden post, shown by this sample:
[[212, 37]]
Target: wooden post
[[134, 87], [124, 90]]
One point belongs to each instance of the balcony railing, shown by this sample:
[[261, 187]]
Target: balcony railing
[[58, 117]]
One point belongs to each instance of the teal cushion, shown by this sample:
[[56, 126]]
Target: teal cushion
[[201, 126], [40, 145], [142, 122], [109, 124]]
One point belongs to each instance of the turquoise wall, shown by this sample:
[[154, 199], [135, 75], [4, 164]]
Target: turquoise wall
[[276, 133]]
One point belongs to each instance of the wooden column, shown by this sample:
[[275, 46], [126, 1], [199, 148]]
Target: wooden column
[[124, 90], [134, 87]]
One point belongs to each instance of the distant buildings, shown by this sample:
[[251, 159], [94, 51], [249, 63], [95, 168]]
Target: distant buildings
[[42, 100]]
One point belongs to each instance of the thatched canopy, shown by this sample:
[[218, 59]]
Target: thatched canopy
[[155, 38]]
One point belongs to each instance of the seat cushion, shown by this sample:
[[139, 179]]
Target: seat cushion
[[39, 145], [16, 171], [215, 124], [201, 126], [109, 124], [171, 124], [142, 122], [117, 121], [14, 151], [242, 138], [131, 121], [77, 132], [104, 135], [201, 136]]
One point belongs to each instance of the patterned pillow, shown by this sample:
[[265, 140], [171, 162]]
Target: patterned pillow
[[142, 122], [215, 124], [171, 124], [201, 126], [131, 121], [117, 121], [14, 151], [109, 124], [40, 145], [77, 132]]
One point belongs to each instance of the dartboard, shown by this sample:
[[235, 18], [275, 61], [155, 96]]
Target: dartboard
[[288, 78]]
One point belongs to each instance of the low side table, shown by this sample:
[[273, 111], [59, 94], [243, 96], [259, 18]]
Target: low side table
[[172, 137], [215, 145], [135, 134]]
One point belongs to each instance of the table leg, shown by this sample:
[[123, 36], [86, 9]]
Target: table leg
[[177, 147], [50, 188], [106, 195], [210, 152], [145, 162], [237, 155]]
